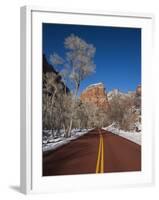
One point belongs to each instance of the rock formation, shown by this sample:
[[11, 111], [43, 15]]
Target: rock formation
[[96, 95], [49, 69], [138, 97], [138, 90]]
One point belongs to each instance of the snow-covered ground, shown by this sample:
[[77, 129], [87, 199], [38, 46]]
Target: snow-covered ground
[[54, 143], [133, 136]]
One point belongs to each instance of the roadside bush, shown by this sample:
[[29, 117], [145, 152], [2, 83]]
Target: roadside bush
[[123, 112]]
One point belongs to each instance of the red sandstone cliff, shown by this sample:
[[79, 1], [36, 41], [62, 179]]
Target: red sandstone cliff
[[138, 90], [96, 94]]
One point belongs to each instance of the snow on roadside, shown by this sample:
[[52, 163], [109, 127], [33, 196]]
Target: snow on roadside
[[55, 143], [132, 136]]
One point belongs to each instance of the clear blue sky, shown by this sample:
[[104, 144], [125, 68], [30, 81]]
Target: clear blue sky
[[117, 58]]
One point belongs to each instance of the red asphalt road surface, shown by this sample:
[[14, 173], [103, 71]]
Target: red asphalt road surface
[[80, 156]]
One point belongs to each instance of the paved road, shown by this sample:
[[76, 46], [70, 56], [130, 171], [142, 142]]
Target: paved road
[[99, 151]]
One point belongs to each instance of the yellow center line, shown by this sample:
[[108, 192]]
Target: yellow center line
[[100, 157]]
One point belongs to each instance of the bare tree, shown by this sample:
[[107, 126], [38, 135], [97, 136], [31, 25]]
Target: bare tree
[[49, 93], [123, 112], [77, 65]]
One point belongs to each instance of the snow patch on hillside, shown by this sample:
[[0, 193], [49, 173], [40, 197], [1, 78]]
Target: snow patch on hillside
[[51, 143], [94, 85], [132, 136], [117, 92]]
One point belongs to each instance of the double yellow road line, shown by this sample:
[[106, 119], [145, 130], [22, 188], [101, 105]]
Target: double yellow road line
[[100, 158]]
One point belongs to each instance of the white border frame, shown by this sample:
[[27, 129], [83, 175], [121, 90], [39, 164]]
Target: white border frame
[[31, 181]]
